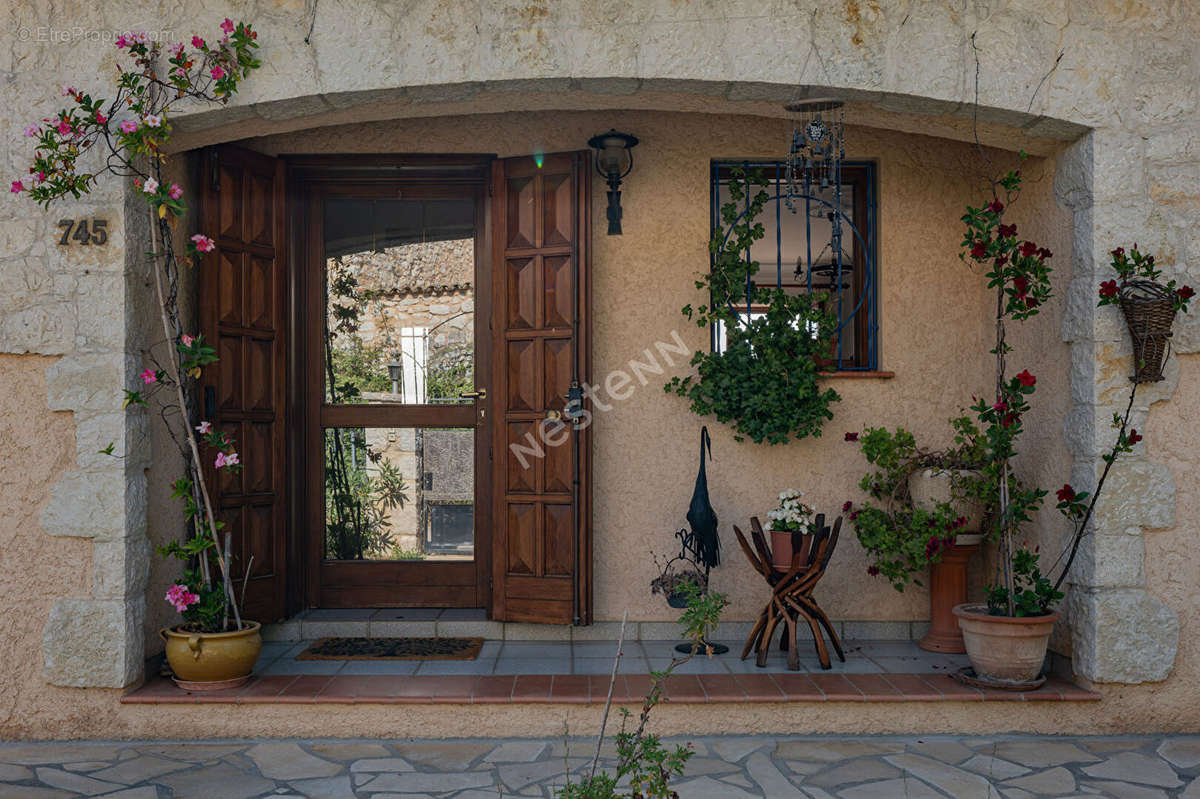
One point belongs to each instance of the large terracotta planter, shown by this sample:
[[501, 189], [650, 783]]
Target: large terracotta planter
[[1005, 649], [928, 487], [212, 661], [947, 589]]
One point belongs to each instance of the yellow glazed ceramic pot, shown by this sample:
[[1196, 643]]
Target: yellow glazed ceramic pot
[[211, 661]]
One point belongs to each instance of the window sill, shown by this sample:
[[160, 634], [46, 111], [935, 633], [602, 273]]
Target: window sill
[[861, 375]]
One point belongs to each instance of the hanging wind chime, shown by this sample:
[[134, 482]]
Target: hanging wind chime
[[814, 170]]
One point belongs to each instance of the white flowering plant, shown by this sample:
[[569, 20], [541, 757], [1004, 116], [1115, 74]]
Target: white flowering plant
[[792, 515]]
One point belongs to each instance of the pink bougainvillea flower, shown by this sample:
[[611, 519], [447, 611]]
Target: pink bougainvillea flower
[[204, 428], [153, 121], [217, 73], [122, 42], [1026, 378], [139, 37], [63, 127], [226, 460], [32, 130], [197, 42], [1000, 405], [69, 91], [149, 376], [227, 25], [175, 192], [176, 49], [100, 118], [151, 186], [203, 243], [17, 187], [128, 126], [180, 597], [187, 340]]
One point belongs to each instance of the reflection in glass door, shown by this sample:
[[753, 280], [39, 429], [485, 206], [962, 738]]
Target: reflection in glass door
[[400, 412]]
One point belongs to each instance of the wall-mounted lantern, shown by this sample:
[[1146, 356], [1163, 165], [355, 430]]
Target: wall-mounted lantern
[[395, 373], [614, 160]]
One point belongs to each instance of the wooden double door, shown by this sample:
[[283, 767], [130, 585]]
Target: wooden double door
[[399, 337]]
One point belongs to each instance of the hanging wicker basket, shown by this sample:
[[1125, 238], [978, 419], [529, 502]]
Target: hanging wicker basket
[[1149, 310]]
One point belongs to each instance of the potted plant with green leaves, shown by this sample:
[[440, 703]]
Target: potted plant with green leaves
[[1149, 307], [1007, 637], [214, 647], [792, 516], [925, 510]]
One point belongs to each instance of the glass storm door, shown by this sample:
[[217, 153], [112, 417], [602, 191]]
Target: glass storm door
[[396, 438]]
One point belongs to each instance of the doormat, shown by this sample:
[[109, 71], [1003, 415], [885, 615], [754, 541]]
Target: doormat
[[392, 649]]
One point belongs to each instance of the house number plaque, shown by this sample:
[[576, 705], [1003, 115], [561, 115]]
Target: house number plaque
[[83, 232]]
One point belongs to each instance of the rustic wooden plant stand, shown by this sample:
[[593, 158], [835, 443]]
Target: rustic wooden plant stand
[[791, 592]]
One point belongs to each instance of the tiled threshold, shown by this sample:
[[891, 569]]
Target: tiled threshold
[[593, 689]]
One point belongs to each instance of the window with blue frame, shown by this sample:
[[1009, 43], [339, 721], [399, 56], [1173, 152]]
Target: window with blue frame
[[798, 252]]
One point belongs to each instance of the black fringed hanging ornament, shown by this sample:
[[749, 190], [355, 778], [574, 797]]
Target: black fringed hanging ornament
[[701, 516]]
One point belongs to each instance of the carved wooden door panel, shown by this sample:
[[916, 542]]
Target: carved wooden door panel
[[541, 346], [241, 312]]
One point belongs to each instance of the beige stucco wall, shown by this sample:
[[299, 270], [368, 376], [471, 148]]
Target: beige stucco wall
[[935, 333], [1124, 92]]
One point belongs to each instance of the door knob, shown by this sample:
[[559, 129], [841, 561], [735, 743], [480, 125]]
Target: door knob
[[479, 394]]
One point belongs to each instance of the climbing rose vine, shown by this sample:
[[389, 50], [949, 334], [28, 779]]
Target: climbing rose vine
[[126, 137]]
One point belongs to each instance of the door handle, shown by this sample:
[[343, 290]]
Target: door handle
[[479, 394]]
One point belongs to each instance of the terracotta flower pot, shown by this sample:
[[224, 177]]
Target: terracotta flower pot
[[1005, 648], [781, 549], [928, 487], [947, 589], [212, 661]]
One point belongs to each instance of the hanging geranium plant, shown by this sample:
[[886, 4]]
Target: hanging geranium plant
[[765, 381]]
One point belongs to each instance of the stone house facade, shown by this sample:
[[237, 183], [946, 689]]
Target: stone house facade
[[1102, 95]]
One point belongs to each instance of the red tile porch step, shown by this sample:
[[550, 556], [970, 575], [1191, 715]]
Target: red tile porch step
[[593, 688]]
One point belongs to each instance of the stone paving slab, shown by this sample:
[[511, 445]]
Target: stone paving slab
[[734, 767]]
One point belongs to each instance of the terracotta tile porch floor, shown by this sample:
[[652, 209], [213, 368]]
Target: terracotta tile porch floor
[[578, 672]]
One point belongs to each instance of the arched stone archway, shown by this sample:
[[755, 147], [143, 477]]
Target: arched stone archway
[[910, 69]]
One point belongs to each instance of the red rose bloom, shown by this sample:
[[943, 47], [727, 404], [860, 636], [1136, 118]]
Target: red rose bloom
[[1117, 253], [1066, 493], [979, 249], [1021, 284], [873, 570], [1008, 231], [996, 206], [1028, 249], [847, 506], [852, 436], [1026, 378], [1185, 292], [1133, 437], [1108, 288]]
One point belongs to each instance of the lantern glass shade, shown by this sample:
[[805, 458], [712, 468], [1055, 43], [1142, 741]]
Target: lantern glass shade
[[613, 157]]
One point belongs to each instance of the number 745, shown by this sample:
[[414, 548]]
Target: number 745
[[97, 235]]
